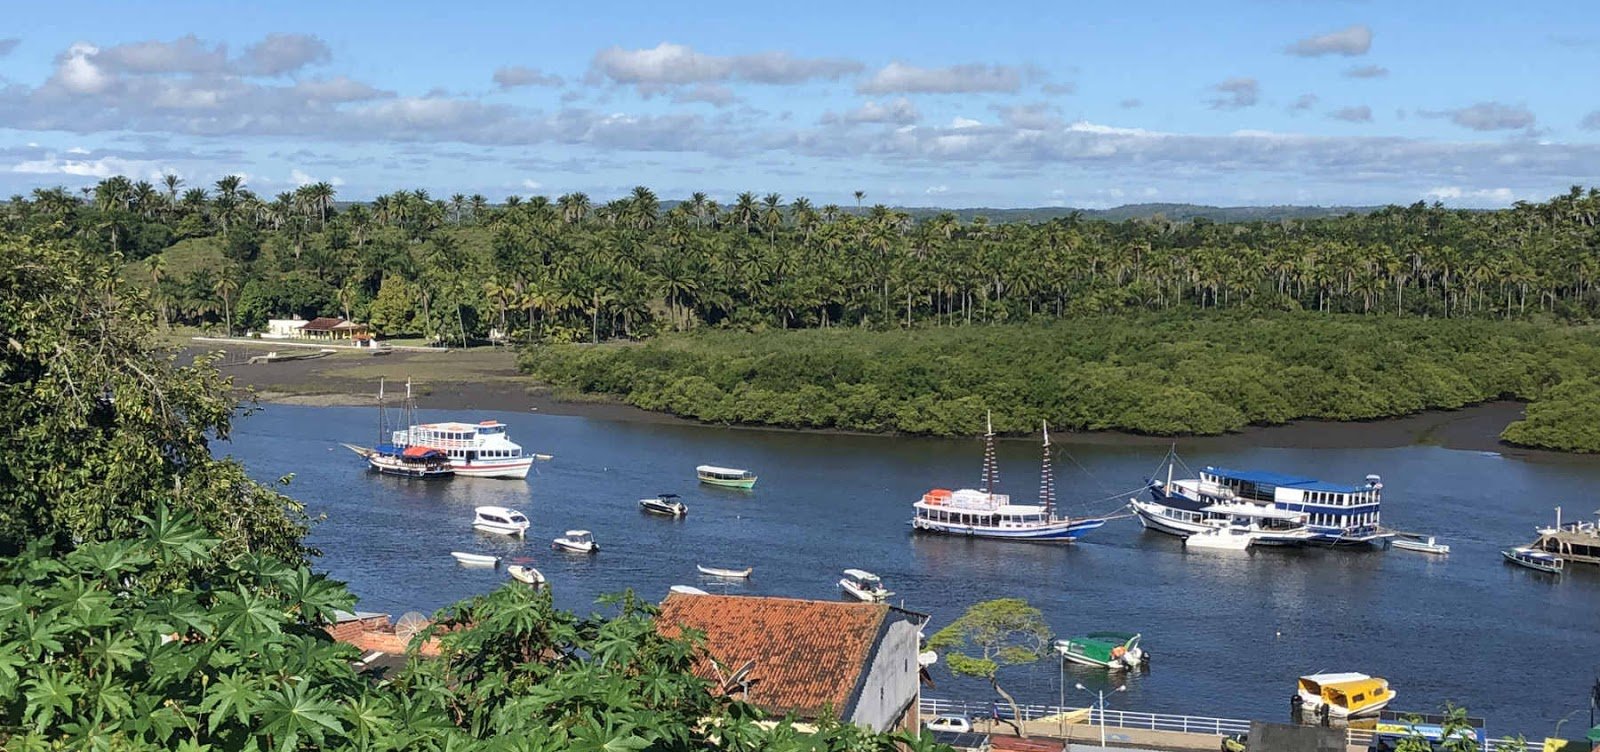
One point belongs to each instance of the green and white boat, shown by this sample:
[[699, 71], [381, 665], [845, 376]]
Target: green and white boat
[[1113, 650], [725, 476]]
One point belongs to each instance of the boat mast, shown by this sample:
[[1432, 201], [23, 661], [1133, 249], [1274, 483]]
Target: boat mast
[[991, 472], [381, 412], [1047, 481]]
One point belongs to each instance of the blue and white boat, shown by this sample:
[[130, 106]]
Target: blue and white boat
[[1334, 514], [983, 513]]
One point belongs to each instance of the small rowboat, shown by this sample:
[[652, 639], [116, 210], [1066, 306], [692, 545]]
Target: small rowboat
[[475, 560], [524, 573], [737, 574], [688, 590], [1421, 545], [1535, 559]]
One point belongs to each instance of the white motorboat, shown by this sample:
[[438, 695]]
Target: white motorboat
[[729, 477], [1267, 525], [577, 541], [687, 590], [502, 520], [1221, 538], [479, 450], [864, 585], [666, 505], [524, 573], [1419, 544], [475, 560], [1534, 559], [737, 574]]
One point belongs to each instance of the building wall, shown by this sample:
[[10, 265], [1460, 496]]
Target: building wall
[[891, 688]]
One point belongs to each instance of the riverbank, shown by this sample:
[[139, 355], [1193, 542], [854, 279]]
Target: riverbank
[[489, 380]]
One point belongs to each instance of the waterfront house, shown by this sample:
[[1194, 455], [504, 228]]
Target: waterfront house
[[853, 661], [283, 328], [334, 329]]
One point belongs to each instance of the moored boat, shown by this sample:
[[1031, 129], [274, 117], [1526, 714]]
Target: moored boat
[[730, 477], [1573, 541], [1113, 650], [1223, 523], [1221, 539], [402, 461], [1420, 544], [475, 560], [864, 585], [666, 505], [687, 590], [1532, 558], [1345, 695], [502, 520], [527, 574], [984, 513], [577, 541], [1334, 514], [479, 450], [737, 574]]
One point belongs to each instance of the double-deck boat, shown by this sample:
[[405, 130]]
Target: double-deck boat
[[1333, 514], [666, 505], [1346, 695], [502, 520], [1225, 525], [479, 450], [1574, 541], [1113, 650], [983, 513], [864, 585]]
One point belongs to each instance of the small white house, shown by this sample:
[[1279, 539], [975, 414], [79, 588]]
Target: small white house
[[284, 328]]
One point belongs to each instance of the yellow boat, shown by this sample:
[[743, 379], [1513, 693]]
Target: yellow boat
[[1346, 695]]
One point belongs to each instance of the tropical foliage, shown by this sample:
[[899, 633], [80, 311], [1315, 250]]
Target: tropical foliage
[[1155, 373], [990, 636], [95, 655], [102, 424]]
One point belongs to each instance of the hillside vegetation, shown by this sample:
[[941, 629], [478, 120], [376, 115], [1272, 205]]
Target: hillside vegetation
[[1150, 374]]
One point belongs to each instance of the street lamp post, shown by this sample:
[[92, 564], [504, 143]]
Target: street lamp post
[[1101, 704]]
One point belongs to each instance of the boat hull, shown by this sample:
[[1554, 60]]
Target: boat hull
[[490, 527], [1312, 705], [513, 470], [475, 560], [1419, 547], [861, 594], [1061, 532], [1536, 566], [735, 574], [745, 483], [662, 510], [398, 471], [576, 548]]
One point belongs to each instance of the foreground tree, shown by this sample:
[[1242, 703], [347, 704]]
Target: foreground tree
[[993, 635]]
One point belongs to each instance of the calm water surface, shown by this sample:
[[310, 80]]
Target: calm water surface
[[1229, 632]]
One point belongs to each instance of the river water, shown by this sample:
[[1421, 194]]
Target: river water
[[1229, 632]]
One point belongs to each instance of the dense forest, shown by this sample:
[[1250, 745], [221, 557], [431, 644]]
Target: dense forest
[[1349, 301], [570, 270]]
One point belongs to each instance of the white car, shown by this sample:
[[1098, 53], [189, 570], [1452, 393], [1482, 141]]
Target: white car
[[953, 723]]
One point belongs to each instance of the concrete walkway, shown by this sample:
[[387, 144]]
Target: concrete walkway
[[1080, 736]]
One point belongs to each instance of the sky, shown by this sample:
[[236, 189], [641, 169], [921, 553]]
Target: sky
[[939, 103]]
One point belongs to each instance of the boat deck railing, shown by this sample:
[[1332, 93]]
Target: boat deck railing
[[1112, 718]]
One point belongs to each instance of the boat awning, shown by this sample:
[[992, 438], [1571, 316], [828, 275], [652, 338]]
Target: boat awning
[[1261, 477], [1315, 682], [715, 470], [861, 574], [1252, 510], [421, 452]]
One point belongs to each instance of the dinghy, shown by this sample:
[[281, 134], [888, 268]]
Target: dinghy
[[475, 560], [1420, 544], [737, 574], [524, 573], [577, 541]]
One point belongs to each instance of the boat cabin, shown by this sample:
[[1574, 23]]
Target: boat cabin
[[500, 516], [1573, 541], [1350, 512], [864, 578], [579, 536], [464, 441], [978, 509], [714, 473], [1357, 696]]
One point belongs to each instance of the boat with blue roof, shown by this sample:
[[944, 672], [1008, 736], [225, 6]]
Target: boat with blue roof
[[1306, 510]]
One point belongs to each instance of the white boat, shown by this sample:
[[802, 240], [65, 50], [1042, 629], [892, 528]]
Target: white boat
[[524, 573], [737, 574], [666, 505], [1535, 559], [1265, 525], [1345, 695], [985, 513], [475, 560], [864, 585], [1222, 539], [577, 541], [479, 450], [1422, 545], [1335, 514], [731, 477], [687, 590], [502, 520]]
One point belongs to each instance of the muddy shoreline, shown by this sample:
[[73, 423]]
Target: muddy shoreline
[[488, 380]]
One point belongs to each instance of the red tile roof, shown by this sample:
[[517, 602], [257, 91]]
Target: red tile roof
[[809, 655], [321, 324]]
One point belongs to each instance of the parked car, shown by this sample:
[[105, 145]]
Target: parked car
[[952, 723]]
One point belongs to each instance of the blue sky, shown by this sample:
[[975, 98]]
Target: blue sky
[[939, 103]]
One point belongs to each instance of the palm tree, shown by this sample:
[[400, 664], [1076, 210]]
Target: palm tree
[[860, 195], [156, 265], [224, 288], [171, 181]]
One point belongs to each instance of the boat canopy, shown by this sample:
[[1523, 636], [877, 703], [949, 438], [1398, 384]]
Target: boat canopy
[[421, 452], [1313, 683], [664, 497], [1261, 477], [862, 575], [502, 511], [1355, 694], [1252, 510], [724, 472], [577, 534]]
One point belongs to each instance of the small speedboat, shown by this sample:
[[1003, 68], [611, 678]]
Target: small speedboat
[[1113, 650], [502, 520], [1345, 695], [1420, 544], [864, 585], [1227, 538], [577, 541], [525, 573], [666, 505], [1535, 559], [687, 590], [737, 574], [475, 560], [731, 477]]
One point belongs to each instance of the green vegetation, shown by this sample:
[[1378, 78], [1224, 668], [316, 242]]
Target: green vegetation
[[94, 656], [990, 636], [1155, 374]]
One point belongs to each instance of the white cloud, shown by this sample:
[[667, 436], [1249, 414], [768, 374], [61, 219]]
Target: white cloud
[[1358, 114], [959, 122], [104, 167], [1235, 93], [934, 190], [1366, 71], [669, 64], [1475, 196], [1349, 41], [1488, 116], [898, 77], [532, 185], [8, 44], [280, 54], [514, 76], [77, 72], [900, 111]]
